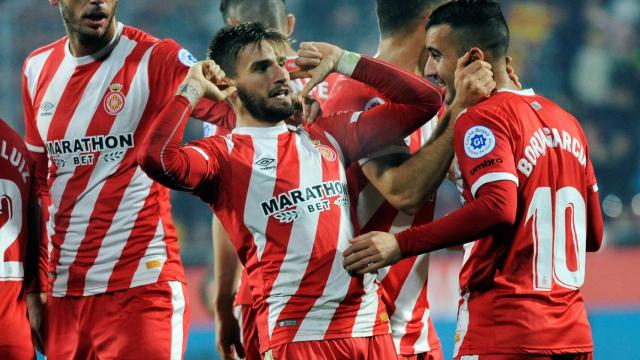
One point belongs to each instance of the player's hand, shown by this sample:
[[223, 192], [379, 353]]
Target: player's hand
[[307, 111], [36, 307], [228, 342], [205, 78], [316, 60], [473, 79], [370, 252], [512, 73]]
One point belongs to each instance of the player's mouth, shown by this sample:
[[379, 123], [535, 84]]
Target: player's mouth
[[281, 94], [95, 19]]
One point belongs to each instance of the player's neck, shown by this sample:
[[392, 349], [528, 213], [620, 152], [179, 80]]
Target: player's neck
[[82, 46], [245, 119], [403, 51], [502, 79]]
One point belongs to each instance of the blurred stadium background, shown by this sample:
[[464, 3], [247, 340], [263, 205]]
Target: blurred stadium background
[[582, 54]]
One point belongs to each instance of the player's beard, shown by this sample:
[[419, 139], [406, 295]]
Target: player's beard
[[86, 38], [258, 107]]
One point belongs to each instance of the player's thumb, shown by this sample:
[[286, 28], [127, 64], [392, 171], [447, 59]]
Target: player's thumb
[[299, 74]]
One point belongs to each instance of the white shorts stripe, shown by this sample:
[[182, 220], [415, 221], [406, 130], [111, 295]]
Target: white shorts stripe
[[469, 357], [177, 319]]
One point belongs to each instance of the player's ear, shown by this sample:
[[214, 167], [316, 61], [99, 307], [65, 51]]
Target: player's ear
[[54, 2], [231, 21], [477, 54], [291, 24]]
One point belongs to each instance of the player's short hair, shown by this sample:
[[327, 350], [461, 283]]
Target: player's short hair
[[474, 23], [272, 13], [227, 43], [401, 16]]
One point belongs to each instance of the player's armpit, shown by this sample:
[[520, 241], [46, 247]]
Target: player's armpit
[[495, 205], [595, 226]]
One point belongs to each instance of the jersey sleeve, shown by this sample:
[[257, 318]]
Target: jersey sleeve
[[162, 157], [484, 148], [168, 66], [348, 94], [410, 102]]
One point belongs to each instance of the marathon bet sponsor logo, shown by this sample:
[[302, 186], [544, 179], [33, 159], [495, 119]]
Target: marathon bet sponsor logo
[[78, 152], [289, 206], [478, 141]]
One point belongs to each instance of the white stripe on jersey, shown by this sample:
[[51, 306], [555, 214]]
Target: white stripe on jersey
[[33, 69], [369, 201], [302, 238], [463, 323], [156, 251], [422, 343], [492, 177], [407, 297], [368, 308], [77, 128], [133, 200], [259, 186], [177, 319]]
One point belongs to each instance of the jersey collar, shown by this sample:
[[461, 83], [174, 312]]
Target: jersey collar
[[83, 60], [523, 92], [264, 132]]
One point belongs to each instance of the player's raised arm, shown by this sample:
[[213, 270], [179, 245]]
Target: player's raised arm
[[412, 100], [161, 155]]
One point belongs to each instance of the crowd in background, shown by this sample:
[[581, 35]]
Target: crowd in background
[[584, 55]]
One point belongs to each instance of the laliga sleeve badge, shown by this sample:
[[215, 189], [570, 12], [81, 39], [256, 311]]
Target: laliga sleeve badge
[[478, 141], [114, 100], [186, 58]]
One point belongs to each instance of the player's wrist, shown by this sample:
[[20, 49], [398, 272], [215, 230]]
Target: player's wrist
[[347, 62], [192, 90]]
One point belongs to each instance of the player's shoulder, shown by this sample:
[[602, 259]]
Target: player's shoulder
[[163, 48], [58, 44], [138, 35], [8, 134]]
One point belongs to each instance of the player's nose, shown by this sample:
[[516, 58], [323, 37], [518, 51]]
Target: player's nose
[[430, 68]]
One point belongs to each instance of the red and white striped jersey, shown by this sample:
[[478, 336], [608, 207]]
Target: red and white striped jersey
[[110, 226], [404, 283], [520, 285], [16, 176]]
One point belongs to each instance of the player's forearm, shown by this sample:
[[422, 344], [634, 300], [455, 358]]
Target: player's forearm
[[595, 226], [226, 267], [495, 205], [408, 185]]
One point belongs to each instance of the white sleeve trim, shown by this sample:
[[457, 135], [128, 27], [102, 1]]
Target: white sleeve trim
[[347, 63], [393, 149], [595, 187], [200, 151], [36, 149], [355, 116], [492, 177]]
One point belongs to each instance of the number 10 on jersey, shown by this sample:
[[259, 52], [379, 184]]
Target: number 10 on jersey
[[550, 236]]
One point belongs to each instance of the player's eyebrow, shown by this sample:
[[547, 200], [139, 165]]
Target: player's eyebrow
[[259, 64]]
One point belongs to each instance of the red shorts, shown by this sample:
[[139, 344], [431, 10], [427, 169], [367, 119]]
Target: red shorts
[[246, 316], [15, 341], [378, 347], [435, 354], [144, 322], [578, 356]]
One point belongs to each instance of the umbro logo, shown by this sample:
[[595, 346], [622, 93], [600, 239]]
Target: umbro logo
[[47, 108], [265, 162]]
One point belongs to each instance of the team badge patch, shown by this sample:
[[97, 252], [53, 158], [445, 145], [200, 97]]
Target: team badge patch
[[478, 141], [325, 151], [186, 58], [114, 101]]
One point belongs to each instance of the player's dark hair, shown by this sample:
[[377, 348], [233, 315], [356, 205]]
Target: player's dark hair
[[272, 13], [475, 23], [229, 41], [401, 16]]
